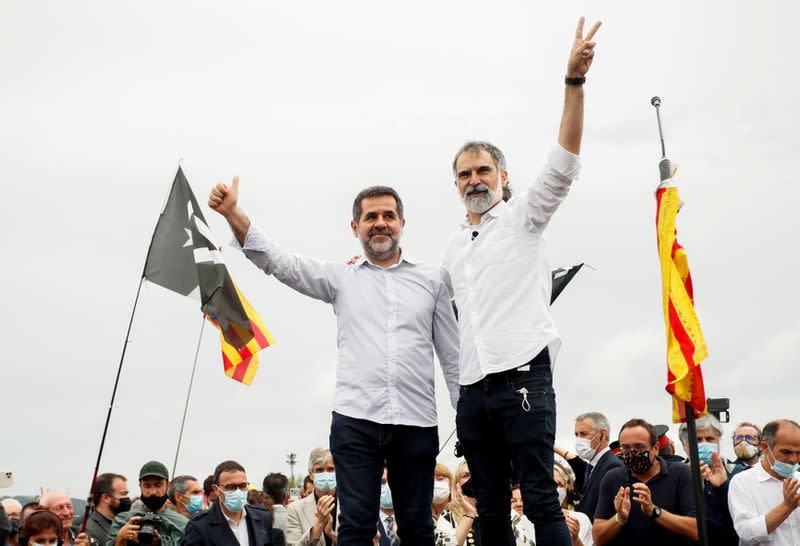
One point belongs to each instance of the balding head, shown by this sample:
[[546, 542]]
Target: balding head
[[12, 507], [61, 505]]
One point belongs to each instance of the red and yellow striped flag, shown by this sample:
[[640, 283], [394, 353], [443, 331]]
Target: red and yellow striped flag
[[686, 347], [242, 364]]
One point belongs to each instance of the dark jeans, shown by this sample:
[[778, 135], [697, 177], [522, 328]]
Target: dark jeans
[[360, 448], [503, 435]]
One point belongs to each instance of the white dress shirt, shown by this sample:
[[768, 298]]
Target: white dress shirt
[[389, 322], [598, 456], [239, 529], [751, 495], [501, 280]]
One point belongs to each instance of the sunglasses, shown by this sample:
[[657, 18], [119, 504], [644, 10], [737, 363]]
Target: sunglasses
[[749, 438]]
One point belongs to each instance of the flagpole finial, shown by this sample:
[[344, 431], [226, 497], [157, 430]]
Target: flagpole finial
[[656, 101]]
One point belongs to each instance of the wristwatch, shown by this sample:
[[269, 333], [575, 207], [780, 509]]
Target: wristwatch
[[656, 512]]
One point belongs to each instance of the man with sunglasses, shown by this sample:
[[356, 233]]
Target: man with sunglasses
[[747, 444], [231, 520]]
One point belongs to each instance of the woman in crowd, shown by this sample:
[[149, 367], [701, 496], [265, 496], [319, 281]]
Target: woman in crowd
[[442, 521], [462, 514], [580, 527]]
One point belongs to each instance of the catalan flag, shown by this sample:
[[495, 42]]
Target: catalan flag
[[184, 258], [686, 347], [241, 364]]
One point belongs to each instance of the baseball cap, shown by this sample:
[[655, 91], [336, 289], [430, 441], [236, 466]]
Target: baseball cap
[[154, 468]]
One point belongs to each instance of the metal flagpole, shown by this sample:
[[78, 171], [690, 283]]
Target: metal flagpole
[[188, 395], [665, 169], [89, 504]]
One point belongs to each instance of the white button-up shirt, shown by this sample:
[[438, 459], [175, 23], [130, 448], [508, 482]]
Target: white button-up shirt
[[389, 321], [501, 280], [239, 530], [751, 495]]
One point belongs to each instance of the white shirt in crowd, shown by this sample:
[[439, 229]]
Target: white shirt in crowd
[[528, 531], [239, 529], [389, 322], [501, 279], [751, 495]]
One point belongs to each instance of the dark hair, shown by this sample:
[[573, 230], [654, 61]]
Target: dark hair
[[645, 425], [226, 466], [376, 191], [207, 485], [498, 159], [276, 485], [254, 496], [178, 485], [770, 432], [105, 485], [38, 522]]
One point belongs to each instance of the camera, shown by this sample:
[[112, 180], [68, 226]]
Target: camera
[[148, 525]]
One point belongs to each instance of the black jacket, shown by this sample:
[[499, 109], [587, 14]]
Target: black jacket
[[211, 528], [591, 489]]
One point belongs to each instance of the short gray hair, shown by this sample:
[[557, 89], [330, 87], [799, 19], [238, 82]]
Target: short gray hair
[[318, 456], [701, 423], [498, 159], [771, 429], [598, 419], [178, 485], [747, 424]]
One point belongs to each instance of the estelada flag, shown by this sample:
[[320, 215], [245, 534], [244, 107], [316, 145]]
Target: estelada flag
[[184, 258], [686, 347]]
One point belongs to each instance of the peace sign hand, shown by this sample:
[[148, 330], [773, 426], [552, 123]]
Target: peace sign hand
[[580, 58]]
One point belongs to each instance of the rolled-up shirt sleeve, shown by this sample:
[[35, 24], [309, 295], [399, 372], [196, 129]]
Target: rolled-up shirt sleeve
[[314, 278], [749, 525], [550, 188]]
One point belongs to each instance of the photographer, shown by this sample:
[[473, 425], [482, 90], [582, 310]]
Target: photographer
[[154, 524]]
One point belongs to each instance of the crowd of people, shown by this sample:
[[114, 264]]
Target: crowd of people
[[633, 490]]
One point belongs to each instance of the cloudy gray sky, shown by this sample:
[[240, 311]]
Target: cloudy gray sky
[[308, 102]]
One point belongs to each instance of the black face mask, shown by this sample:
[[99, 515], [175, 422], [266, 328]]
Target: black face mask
[[154, 502], [637, 462], [123, 505]]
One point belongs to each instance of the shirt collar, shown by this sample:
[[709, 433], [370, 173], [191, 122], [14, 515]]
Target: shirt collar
[[493, 212], [761, 474], [598, 456], [230, 521], [362, 260]]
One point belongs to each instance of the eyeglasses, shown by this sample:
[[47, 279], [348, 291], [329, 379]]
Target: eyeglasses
[[751, 439], [231, 487]]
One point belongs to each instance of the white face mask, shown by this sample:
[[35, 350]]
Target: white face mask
[[562, 495], [441, 491], [583, 447]]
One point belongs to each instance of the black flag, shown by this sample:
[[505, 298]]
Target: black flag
[[184, 258], [561, 278]]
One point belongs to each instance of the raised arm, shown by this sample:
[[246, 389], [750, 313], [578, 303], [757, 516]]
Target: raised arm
[[225, 200], [580, 59]]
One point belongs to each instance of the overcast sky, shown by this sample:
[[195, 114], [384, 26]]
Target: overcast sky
[[309, 102]]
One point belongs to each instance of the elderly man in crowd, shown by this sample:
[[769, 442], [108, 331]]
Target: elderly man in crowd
[[61, 505], [746, 443], [592, 435], [312, 520], [647, 502], [110, 498], [716, 473], [13, 508], [764, 500]]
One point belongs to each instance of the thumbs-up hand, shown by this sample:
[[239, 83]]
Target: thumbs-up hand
[[224, 198]]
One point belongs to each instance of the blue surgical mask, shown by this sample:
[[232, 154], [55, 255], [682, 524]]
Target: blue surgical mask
[[325, 481], [195, 504], [235, 500], [784, 470], [386, 497], [705, 449]]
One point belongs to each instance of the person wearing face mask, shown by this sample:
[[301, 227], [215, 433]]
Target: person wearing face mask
[[186, 495], [716, 473], [765, 500], [387, 525], [649, 501], [110, 498], [579, 524], [592, 433], [231, 521], [314, 519], [443, 529], [746, 444], [153, 487]]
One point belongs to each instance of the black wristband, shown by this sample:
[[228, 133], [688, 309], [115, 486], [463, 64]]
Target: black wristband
[[575, 81]]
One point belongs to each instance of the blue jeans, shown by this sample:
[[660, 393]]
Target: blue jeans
[[507, 434], [360, 448]]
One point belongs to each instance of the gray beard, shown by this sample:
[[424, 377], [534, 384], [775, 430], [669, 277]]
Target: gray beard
[[478, 204], [377, 252]]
